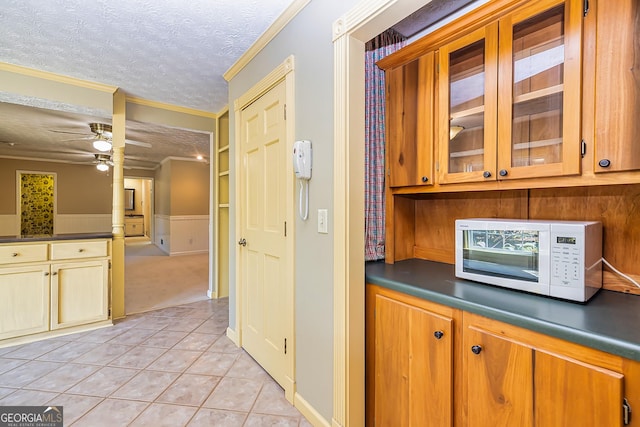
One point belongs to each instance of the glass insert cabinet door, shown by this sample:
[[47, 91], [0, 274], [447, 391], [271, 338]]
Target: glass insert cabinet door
[[539, 112], [467, 107]]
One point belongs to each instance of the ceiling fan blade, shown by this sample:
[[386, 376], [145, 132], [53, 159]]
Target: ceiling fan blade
[[64, 131], [84, 138], [138, 143]]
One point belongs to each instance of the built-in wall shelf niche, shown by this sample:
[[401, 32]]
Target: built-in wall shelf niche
[[425, 223]]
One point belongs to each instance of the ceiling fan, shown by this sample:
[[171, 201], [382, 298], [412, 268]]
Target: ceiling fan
[[103, 135], [102, 162]]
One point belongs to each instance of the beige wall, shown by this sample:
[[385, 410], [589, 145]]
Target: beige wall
[[139, 173], [163, 189], [81, 189], [189, 188]]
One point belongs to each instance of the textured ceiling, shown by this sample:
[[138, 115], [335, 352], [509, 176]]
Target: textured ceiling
[[169, 51]]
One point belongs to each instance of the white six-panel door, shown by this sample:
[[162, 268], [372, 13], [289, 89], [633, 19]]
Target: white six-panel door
[[262, 211]]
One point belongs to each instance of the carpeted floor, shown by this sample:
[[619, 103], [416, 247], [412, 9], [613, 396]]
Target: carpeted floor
[[154, 280]]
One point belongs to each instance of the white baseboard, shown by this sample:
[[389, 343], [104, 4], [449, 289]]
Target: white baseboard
[[309, 412], [233, 336], [201, 251]]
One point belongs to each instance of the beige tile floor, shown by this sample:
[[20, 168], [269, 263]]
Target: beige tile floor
[[171, 367]]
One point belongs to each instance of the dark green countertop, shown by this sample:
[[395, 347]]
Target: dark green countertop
[[610, 321], [49, 237]]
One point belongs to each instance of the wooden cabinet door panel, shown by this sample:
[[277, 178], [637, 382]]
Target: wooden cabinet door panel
[[568, 392], [392, 363], [410, 122], [430, 369], [617, 86], [539, 107], [499, 380], [413, 368], [467, 107]]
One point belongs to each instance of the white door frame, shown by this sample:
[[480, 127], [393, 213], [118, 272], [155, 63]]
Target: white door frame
[[350, 33], [283, 72]]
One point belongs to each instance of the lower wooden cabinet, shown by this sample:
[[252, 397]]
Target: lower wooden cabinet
[[412, 361], [483, 372], [514, 379]]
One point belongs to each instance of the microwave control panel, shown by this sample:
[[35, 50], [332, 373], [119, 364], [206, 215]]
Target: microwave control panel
[[567, 259]]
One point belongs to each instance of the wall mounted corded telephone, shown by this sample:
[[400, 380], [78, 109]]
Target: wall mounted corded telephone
[[302, 160]]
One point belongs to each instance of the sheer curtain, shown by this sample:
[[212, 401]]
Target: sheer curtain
[[376, 49]]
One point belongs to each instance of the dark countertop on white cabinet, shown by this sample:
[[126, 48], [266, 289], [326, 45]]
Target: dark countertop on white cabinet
[[50, 237]]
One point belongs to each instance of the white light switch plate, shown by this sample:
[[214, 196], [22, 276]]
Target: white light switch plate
[[322, 221]]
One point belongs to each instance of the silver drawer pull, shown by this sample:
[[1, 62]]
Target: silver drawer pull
[[15, 254]]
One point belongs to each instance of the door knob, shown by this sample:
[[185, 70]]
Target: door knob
[[476, 349], [438, 334], [242, 242]]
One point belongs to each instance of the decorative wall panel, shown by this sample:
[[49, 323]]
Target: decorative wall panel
[[36, 204]]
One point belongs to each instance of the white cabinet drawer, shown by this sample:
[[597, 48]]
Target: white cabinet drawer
[[78, 249], [13, 254]]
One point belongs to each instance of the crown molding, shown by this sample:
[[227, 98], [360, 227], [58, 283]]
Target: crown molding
[[31, 72], [170, 107], [286, 16]]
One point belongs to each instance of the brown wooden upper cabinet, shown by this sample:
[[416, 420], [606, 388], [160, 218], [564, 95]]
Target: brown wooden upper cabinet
[[510, 96], [409, 121], [617, 75]]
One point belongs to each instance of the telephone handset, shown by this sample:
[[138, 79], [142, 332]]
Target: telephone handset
[[302, 159]]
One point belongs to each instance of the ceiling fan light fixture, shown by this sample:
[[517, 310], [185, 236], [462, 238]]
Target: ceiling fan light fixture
[[101, 129], [102, 167], [103, 161], [101, 144]]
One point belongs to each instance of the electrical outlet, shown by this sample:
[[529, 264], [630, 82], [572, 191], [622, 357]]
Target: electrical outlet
[[322, 221]]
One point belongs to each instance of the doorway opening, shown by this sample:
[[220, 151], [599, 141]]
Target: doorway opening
[[138, 216]]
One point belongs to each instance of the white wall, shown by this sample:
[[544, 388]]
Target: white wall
[[182, 235], [309, 38]]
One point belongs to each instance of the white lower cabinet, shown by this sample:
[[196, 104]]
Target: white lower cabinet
[[24, 300], [79, 293], [66, 285]]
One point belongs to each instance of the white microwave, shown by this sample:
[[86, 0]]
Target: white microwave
[[561, 259]]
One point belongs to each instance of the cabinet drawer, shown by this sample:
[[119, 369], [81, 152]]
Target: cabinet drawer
[[78, 249], [12, 254]]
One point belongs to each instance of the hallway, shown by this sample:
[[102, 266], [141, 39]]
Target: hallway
[[170, 367], [155, 280]]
